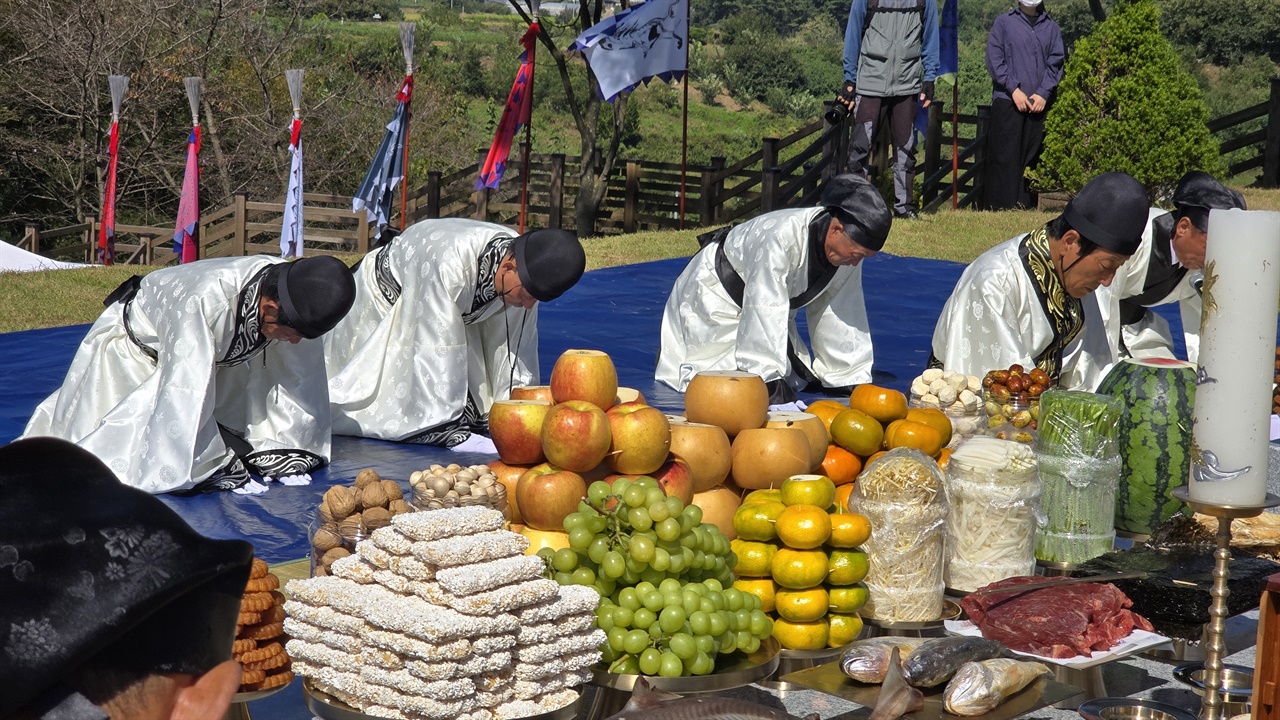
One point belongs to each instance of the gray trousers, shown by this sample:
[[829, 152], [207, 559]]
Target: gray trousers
[[868, 114]]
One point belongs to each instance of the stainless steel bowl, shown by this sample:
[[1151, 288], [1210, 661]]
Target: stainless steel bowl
[[1131, 709], [1237, 681]]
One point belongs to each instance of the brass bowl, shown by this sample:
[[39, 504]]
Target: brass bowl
[[1131, 709]]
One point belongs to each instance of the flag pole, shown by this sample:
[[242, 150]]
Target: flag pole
[[684, 113], [406, 44], [528, 128], [107, 229], [955, 142], [291, 230]]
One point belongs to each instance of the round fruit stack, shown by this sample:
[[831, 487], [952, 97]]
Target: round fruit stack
[[1013, 402], [797, 550], [663, 577], [875, 420]]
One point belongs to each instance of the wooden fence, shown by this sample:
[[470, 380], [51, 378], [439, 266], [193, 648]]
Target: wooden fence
[[640, 195]]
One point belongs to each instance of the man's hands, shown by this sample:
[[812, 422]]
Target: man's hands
[[926, 97], [848, 95], [1032, 104], [1037, 104]]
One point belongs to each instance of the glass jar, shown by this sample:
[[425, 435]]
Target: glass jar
[[993, 492], [438, 488], [965, 422], [331, 541], [1012, 419]]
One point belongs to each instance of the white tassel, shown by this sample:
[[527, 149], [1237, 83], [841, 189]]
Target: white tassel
[[193, 97], [407, 31], [294, 78], [119, 86]]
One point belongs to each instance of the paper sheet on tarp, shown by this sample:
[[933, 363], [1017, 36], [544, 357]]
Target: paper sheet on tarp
[[15, 259]]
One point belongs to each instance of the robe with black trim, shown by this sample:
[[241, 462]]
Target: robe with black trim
[[429, 346], [776, 264], [160, 372]]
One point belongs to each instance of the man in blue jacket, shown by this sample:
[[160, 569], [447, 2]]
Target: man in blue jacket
[[890, 63], [1025, 58]]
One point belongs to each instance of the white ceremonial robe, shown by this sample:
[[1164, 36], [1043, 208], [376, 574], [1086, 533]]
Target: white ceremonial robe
[[1151, 336], [416, 360], [154, 419], [994, 319], [704, 329]]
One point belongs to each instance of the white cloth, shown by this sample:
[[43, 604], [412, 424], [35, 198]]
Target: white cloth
[[1151, 336], [797, 406], [410, 370], [704, 329], [154, 422], [15, 259], [476, 444], [994, 319], [253, 487]]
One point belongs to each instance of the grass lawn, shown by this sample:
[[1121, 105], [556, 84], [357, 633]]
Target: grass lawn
[[67, 297]]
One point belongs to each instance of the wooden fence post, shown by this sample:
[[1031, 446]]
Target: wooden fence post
[[711, 184], [768, 155], [433, 193], [32, 237], [631, 197], [148, 243], [980, 157], [481, 197], [831, 152], [1271, 149], [362, 232], [240, 199], [90, 237], [555, 203], [932, 150], [717, 187], [769, 188]]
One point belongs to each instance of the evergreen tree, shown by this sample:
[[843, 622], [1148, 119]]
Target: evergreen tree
[[1126, 103]]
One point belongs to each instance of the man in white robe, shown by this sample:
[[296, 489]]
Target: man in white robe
[[1030, 300], [196, 375], [1167, 268], [734, 305], [445, 322]]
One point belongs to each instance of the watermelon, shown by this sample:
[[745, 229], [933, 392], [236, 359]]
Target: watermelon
[[1155, 438]]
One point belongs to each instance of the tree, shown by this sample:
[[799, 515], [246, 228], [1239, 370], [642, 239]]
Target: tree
[[1126, 103]]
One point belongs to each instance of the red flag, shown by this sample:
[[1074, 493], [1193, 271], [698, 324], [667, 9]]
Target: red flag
[[515, 115], [187, 232], [107, 230]]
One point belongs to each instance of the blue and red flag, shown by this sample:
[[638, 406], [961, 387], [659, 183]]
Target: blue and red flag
[[291, 223], [186, 235], [107, 230], [515, 115], [948, 55], [387, 169]]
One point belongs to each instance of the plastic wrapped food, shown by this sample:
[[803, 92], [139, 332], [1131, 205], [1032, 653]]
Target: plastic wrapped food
[[993, 493], [868, 660], [902, 494], [1079, 454], [978, 687]]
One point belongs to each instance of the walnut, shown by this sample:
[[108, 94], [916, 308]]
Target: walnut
[[341, 501], [333, 554], [392, 489], [351, 528], [399, 507], [375, 518], [373, 496], [325, 539], [320, 571], [327, 517], [365, 477]]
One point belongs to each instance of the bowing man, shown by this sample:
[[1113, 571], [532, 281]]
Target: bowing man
[[734, 305], [445, 322], [1030, 300], [1166, 268], [196, 375]]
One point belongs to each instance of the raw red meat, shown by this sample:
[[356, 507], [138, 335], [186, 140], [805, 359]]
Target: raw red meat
[[1059, 622]]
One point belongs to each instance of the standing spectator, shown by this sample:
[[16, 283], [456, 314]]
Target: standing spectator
[[890, 63], [1024, 58]]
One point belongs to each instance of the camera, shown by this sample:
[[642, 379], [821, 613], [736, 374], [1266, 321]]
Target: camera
[[839, 109]]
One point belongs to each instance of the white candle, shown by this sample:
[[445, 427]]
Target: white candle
[[1237, 354]]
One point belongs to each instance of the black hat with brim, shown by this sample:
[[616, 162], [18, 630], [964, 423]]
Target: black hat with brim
[[315, 294], [859, 205], [1110, 211], [87, 564], [549, 262], [1198, 189]]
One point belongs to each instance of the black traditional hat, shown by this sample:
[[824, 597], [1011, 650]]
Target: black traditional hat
[[315, 294], [549, 262], [858, 203], [1199, 189], [87, 564], [1111, 211]]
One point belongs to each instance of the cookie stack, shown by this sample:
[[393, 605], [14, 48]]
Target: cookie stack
[[259, 645], [425, 621]]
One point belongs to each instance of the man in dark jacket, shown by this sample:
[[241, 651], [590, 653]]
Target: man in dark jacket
[[1025, 58], [890, 63]]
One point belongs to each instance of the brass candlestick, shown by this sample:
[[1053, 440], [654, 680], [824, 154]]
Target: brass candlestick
[[1211, 706]]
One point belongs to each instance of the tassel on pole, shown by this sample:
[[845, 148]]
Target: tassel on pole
[[193, 97], [119, 86], [407, 31], [294, 79]]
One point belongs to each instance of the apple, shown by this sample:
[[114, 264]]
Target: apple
[[546, 494], [676, 478], [599, 472], [575, 435], [626, 395], [516, 429], [533, 392], [641, 438], [509, 475], [718, 506], [585, 375]]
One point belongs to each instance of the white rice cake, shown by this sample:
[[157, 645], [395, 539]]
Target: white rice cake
[[391, 540], [449, 522], [414, 616], [312, 634], [412, 568], [469, 549], [482, 664], [504, 599], [393, 582], [555, 666], [405, 682], [383, 658], [326, 618], [572, 600], [353, 568], [529, 689], [342, 595], [486, 576], [562, 646], [544, 703], [489, 644], [380, 558], [548, 631], [417, 649]]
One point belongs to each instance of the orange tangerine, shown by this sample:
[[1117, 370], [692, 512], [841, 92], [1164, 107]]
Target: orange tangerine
[[755, 496], [847, 600], [842, 498], [764, 588], [849, 530], [754, 558], [816, 490], [844, 629], [857, 432], [883, 404], [799, 569], [804, 527], [934, 418], [826, 410], [754, 521], [841, 465], [846, 567], [801, 636], [801, 606]]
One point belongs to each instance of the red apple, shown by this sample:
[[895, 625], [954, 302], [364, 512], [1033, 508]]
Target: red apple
[[516, 429], [585, 375], [599, 472], [575, 435], [676, 478], [509, 475], [641, 438], [533, 392], [547, 494]]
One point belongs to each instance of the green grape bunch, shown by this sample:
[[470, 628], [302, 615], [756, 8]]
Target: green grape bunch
[[661, 574]]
